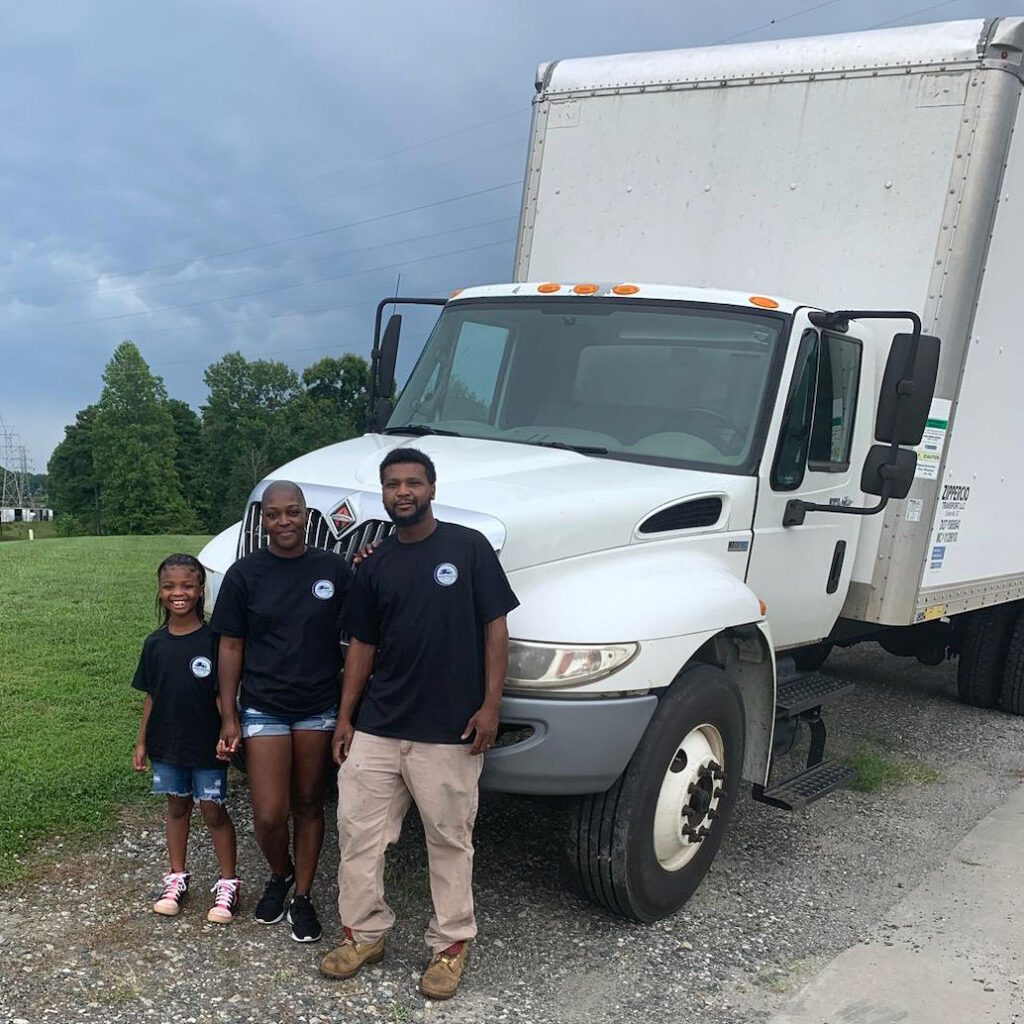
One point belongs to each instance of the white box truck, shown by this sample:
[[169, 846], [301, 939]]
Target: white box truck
[[699, 425]]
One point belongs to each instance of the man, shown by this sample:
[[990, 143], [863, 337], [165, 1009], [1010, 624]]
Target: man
[[429, 646]]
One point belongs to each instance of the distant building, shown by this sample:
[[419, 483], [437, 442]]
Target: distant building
[[26, 515]]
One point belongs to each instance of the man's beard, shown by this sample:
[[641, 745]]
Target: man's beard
[[412, 518]]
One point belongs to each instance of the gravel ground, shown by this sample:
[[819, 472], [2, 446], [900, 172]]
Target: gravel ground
[[787, 893]]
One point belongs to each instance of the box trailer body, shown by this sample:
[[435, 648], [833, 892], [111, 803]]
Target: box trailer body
[[878, 169], [660, 423]]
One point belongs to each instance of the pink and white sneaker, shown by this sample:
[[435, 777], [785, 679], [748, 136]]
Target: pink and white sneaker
[[175, 890], [225, 901]]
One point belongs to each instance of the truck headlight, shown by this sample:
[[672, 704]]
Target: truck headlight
[[543, 665]]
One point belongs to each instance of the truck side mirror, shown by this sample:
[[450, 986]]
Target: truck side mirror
[[906, 393], [880, 468], [384, 372], [388, 356]]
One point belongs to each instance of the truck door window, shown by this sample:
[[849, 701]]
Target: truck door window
[[835, 404], [817, 426], [476, 366]]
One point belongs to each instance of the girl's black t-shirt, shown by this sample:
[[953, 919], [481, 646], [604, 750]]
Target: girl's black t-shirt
[[180, 674], [289, 612], [424, 606]]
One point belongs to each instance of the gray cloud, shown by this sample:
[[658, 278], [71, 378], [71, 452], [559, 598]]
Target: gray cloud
[[141, 140]]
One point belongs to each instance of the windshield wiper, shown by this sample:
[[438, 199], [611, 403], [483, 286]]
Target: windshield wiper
[[583, 449], [419, 429]]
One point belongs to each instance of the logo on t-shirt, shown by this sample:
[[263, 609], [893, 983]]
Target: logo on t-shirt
[[446, 574], [324, 589], [201, 667]]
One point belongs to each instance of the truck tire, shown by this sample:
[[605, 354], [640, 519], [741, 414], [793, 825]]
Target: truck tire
[[986, 637], [811, 658], [641, 849], [1011, 698]]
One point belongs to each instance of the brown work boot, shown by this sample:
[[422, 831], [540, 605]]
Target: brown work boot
[[350, 957], [444, 972]]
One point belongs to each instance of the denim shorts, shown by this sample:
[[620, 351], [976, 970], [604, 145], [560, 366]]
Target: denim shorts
[[199, 783], [264, 723]]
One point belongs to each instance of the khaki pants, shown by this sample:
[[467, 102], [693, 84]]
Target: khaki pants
[[376, 784]]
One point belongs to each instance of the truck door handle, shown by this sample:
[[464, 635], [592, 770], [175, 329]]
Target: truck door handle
[[838, 557]]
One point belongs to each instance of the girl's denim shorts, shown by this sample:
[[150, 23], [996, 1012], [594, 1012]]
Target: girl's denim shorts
[[264, 723], [199, 783]]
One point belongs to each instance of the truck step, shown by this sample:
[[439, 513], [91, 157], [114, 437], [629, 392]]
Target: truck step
[[798, 694], [805, 787]]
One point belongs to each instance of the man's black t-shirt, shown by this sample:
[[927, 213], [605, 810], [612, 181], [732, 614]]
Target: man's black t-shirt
[[288, 611], [180, 674], [425, 605]]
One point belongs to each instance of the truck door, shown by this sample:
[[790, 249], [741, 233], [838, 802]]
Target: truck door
[[802, 572]]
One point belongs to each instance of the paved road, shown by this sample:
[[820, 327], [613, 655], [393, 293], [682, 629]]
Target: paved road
[[953, 950]]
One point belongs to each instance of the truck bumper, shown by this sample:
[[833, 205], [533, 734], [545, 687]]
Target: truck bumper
[[575, 746]]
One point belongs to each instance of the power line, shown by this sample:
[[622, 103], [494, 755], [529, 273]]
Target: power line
[[310, 234], [912, 14], [252, 294], [292, 263], [776, 21], [393, 153]]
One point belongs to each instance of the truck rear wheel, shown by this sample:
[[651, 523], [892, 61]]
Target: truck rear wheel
[[986, 637], [1011, 698], [641, 849]]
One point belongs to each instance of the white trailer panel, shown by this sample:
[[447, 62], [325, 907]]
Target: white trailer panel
[[976, 544]]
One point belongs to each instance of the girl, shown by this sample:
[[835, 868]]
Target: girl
[[179, 732], [278, 616]]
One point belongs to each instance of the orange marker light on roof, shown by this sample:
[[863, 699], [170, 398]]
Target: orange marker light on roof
[[626, 289], [456, 293], [763, 607], [547, 289], [585, 289], [760, 300]]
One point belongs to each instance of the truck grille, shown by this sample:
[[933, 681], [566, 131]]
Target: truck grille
[[359, 536], [318, 534]]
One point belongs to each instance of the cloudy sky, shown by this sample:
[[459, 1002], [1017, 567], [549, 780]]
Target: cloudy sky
[[253, 176]]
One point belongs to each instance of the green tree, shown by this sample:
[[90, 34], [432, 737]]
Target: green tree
[[248, 429], [188, 456], [333, 404], [134, 445], [74, 486]]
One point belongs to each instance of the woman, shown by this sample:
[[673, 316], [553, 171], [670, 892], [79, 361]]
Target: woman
[[278, 614]]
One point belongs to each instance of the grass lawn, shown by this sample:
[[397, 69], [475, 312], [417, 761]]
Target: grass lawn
[[73, 615]]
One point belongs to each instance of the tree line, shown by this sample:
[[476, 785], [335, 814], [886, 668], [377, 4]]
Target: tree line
[[138, 461]]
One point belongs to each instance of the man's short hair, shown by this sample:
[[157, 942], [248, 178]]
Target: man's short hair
[[397, 455]]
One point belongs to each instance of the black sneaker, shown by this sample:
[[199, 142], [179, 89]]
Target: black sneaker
[[302, 918], [270, 908]]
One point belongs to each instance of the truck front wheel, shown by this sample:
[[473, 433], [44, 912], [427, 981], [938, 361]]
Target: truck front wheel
[[641, 849]]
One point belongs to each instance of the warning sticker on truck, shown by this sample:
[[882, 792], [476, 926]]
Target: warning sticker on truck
[[929, 451]]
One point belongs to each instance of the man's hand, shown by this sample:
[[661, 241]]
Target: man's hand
[[139, 757], [230, 737], [365, 552], [343, 733], [485, 724]]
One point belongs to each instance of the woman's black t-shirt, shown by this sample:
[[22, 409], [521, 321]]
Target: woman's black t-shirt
[[289, 613], [180, 675]]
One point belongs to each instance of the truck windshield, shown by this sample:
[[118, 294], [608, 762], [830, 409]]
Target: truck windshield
[[646, 382]]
